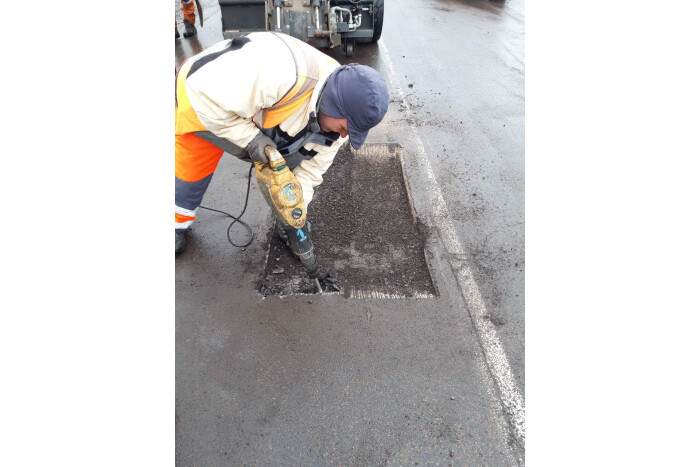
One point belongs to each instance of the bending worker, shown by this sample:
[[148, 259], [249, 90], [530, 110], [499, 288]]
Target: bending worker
[[267, 89]]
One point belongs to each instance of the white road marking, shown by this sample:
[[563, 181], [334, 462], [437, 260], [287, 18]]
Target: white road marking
[[511, 399], [376, 294]]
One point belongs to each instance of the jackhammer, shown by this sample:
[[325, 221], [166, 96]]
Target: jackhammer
[[283, 193]]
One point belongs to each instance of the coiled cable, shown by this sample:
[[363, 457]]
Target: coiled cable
[[238, 219]]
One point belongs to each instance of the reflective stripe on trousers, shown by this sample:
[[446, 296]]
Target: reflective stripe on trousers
[[195, 163]]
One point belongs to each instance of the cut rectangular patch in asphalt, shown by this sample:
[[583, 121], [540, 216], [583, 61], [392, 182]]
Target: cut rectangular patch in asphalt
[[364, 231]]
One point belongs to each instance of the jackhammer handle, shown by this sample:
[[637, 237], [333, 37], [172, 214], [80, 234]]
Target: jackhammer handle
[[272, 153]]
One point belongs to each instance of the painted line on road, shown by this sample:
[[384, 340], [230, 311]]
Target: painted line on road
[[511, 399]]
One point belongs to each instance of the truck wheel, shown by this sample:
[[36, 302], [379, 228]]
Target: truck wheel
[[378, 20], [349, 48]]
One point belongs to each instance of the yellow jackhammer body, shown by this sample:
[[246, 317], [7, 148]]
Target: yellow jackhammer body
[[284, 194]]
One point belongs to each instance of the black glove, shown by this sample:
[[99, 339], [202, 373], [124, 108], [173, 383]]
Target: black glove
[[256, 148]]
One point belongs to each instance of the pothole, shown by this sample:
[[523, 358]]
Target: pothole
[[367, 240]]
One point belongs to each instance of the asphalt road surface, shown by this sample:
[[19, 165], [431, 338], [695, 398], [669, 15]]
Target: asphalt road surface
[[331, 380]]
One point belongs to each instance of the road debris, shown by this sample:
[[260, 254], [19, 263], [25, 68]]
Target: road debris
[[329, 284]]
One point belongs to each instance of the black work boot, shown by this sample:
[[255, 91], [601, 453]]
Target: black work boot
[[190, 30], [180, 240], [177, 34]]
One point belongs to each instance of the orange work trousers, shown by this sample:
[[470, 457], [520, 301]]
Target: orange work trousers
[[195, 158], [187, 11]]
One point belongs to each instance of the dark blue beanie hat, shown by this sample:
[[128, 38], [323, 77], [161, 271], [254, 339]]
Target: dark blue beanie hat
[[358, 93]]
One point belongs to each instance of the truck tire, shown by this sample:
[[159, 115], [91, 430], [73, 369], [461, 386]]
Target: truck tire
[[378, 20]]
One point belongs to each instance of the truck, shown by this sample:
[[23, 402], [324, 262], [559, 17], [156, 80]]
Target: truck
[[321, 23]]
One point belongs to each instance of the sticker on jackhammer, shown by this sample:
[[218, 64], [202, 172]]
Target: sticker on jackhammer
[[290, 192]]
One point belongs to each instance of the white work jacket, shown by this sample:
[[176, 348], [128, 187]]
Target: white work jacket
[[231, 82]]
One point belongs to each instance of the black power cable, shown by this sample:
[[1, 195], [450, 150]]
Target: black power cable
[[238, 219]]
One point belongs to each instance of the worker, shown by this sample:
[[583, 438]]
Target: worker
[[267, 89], [189, 19]]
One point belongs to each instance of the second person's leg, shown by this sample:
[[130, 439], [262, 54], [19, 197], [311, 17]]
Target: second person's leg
[[189, 20]]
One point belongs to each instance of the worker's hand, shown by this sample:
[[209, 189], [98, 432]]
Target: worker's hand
[[256, 148]]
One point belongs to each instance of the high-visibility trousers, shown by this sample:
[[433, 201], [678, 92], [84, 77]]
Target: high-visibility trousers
[[187, 11], [195, 158]]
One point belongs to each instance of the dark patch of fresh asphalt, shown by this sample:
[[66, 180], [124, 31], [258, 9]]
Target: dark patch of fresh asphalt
[[358, 256], [329, 380]]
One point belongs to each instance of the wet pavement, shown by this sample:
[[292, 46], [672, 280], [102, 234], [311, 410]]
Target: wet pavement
[[331, 380]]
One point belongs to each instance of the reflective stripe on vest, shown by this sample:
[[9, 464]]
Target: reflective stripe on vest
[[307, 76]]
